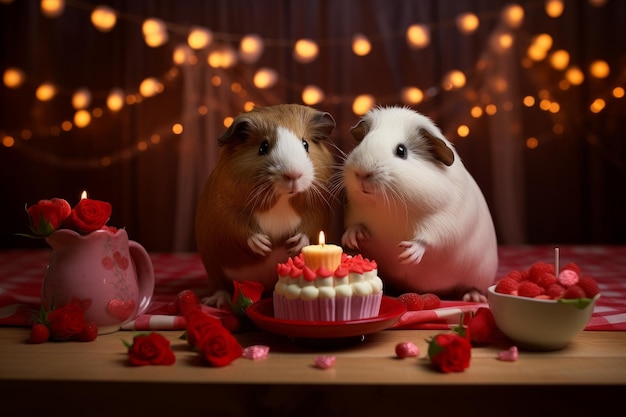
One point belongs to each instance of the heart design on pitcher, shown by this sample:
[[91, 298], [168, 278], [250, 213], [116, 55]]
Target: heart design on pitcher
[[121, 310]]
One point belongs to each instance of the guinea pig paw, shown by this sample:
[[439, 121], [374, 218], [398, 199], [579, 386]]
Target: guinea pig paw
[[260, 244], [218, 299], [475, 296], [353, 235], [296, 243], [412, 253]]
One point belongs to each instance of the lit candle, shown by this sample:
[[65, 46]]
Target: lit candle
[[328, 256], [83, 195]]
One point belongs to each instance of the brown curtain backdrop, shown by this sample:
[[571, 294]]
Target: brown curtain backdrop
[[571, 188]]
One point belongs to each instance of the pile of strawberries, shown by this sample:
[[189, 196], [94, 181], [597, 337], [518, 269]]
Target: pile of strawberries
[[415, 302], [540, 281]]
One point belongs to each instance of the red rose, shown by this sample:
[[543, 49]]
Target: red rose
[[151, 349], [482, 327], [47, 215], [89, 215], [198, 324], [219, 347], [246, 293], [450, 352], [66, 321]]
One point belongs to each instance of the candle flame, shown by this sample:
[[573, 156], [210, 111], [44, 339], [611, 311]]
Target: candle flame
[[83, 195], [322, 240]]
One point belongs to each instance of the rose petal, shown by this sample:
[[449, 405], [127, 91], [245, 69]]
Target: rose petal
[[407, 350], [509, 355], [324, 362], [256, 352]]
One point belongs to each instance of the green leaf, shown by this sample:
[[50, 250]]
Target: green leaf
[[576, 302], [241, 304], [128, 345]]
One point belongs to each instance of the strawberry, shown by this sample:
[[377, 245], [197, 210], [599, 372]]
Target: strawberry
[[589, 286], [412, 301], [507, 285], [407, 350], [538, 268], [529, 289], [573, 291], [89, 333], [186, 300], [39, 333], [546, 279], [431, 301], [555, 291]]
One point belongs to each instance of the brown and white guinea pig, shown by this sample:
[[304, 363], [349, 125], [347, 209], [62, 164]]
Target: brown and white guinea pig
[[267, 196], [414, 208]]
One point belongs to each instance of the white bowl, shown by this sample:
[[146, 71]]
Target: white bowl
[[537, 324]]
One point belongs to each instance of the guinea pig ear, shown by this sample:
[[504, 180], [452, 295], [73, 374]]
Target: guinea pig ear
[[360, 130], [439, 149], [324, 125], [238, 129]]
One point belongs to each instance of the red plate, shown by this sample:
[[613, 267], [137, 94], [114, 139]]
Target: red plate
[[262, 314]]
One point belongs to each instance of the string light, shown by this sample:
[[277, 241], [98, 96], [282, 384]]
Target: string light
[[305, 51], [362, 104], [467, 23], [599, 69], [182, 54], [45, 92], [265, 78], [412, 95], [559, 59], [222, 57], [103, 18], [361, 45], [199, 38], [115, 100], [312, 95], [554, 8], [81, 99], [52, 8], [574, 75], [251, 47], [453, 79], [417, 36], [13, 77], [150, 87], [513, 15], [154, 32], [82, 118]]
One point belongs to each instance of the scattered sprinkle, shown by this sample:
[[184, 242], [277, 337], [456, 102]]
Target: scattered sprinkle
[[509, 355], [324, 362], [256, 352]]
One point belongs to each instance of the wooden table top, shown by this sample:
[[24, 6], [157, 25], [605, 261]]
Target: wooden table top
[[591, 358], [366, 374]]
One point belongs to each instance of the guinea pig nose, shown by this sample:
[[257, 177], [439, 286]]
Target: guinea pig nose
[[289, 176], [363, 175]]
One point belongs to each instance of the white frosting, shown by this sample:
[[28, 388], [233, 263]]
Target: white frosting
[[362, 288]]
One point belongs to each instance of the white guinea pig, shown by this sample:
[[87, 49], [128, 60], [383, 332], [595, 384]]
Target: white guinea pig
[[267, 196], [414, 208]]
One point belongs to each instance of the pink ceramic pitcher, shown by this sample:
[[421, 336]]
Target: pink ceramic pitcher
[[110, 275]]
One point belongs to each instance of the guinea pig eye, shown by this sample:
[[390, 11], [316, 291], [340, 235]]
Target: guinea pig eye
[[305, 144], [401, 151], [264, 148]]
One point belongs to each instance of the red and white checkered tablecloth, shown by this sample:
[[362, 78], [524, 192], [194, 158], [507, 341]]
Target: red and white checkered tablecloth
[[22, 271]]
